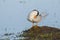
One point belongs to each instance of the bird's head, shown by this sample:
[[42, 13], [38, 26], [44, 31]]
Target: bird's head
[[35, 13]]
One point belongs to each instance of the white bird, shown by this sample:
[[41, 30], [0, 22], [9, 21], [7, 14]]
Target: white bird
[[34, 17]]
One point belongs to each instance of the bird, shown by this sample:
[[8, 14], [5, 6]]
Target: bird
[[34, 17]]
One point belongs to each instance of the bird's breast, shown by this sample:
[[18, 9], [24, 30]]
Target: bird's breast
[[38, 19]]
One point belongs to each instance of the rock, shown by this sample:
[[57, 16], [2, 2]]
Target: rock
[[42, 33]]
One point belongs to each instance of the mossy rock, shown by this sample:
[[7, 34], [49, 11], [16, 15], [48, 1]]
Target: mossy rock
[[42, 33]]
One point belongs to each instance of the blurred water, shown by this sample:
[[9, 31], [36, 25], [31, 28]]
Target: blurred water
[[11, 37]]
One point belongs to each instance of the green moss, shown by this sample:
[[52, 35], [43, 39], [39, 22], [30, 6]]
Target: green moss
[[42, 33]]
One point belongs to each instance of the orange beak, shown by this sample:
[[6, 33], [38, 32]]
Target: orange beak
[[35, 16]]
